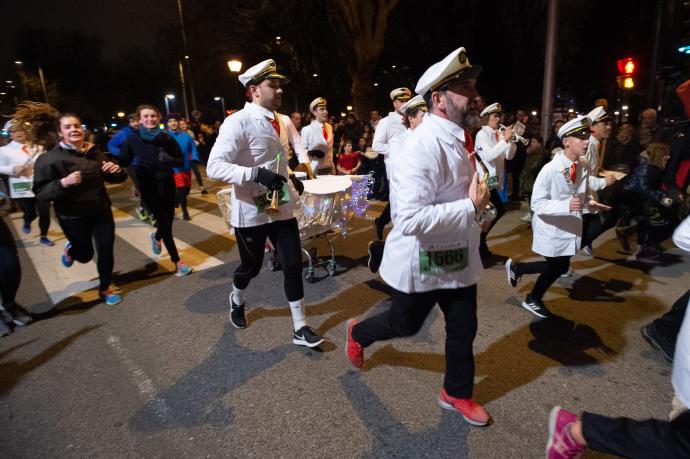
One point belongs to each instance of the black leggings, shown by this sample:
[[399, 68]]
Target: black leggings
[[284, 236], [164, 211], [197, 174], [33, 207], [406, 316], [10, 271], [549, 270], [82, 232], [496, 200], [181, 198]]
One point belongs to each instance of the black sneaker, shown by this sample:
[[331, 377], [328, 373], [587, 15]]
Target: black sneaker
[[375, 250], [658, 341], [237, 317], [511, 272], [536, 307], [379, 229], [16, 314], [306, 336], [4, 329]]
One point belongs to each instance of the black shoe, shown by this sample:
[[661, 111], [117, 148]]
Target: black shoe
[[237, 317], [511, 272], [16, 314], [186, 217], [536, 307], [375, 250], [623, 240], [306, 336], [203, 191], [378, 228], [658, 341]]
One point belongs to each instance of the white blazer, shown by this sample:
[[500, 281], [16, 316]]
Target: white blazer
[[388, 128], [681, 360], [556, 230], [434, 217], [313, 139], [494, 152], [247, 140]]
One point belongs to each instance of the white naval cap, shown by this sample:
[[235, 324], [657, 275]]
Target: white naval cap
[[576, 127], [415, 102], [598, 115], [318, 102], [454, 66], [264, 70], [493, 108], [402, 94]]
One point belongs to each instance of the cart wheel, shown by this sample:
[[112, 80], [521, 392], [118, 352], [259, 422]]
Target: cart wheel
[[312, 254], [330, 267], [309, 275]]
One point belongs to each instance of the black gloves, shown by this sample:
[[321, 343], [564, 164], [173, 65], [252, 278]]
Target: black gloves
[[316, 153], [267, 178], [297, 183]]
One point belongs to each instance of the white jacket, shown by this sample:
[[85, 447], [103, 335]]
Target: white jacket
[[434, 215], [556, 230], [294, 139], [387, 129], [494, 152], [394, 150], [247, 140], [11, 155], [681, 360], [597, 183], [313, 139]]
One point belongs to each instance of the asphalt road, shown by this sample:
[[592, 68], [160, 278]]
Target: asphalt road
[[163, 374]]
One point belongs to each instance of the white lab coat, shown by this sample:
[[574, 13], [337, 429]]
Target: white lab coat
[[681, 360], [556, 230], [494, 152], [247, 140], [313, 139], [388, 127], [432, 175]]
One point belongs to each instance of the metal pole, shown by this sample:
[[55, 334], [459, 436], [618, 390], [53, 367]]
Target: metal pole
[[222, 104], [184, 91], [43, 83], [655, 53], [549, 69], [187, 58], [167, 107]]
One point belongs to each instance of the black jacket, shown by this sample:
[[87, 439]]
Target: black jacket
[[645, 181], [90, 197]]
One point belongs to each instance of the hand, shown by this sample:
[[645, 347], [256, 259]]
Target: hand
[[316, 154], [20, 170], [508, 134], [594, 205], [479, 194], [110, 168], [576, 204], [297, 183], [610, 179], [267, 178], [72, 179]]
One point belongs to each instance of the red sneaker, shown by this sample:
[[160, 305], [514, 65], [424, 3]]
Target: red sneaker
[[353, 350], [561, 444], [470, 410]]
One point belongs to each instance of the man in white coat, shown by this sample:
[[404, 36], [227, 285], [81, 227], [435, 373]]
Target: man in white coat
[[250, 153], [432, 253], [388, 128], [560, 195], [493, 148], [318, 138]]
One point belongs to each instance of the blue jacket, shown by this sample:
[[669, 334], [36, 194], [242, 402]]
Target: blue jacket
[[188, 148], [118, 139]]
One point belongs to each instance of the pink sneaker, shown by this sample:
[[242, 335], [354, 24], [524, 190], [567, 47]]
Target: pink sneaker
[[561, 444], [470, 410], [353, 349]]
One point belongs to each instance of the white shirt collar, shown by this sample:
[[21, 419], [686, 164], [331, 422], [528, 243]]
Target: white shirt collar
[[448, 126], [258, 111]]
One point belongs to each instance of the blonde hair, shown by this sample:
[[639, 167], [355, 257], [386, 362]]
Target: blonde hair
[[656, 152]]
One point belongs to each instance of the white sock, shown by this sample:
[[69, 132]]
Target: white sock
[[237, 295], [299, 319]]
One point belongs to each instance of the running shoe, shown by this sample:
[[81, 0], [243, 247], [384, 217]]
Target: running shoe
[[471, 411], [4, 329], [67, 261], [26, 228], [511, 272], [658, 341], [237, 317], [13, 313], [647, 253], [111, 296], [182, 269], [203, 191], [587, 250], [156, 245], [536, 307], [142, 214], [527, 218], [353, 350], [560, 444], [568, 273], [623, 238], [306, 336], [375, 250], [186, 217], [44, 241], [153, 221]]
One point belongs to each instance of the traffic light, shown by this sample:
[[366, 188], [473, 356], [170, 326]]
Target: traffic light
[[626, 71]]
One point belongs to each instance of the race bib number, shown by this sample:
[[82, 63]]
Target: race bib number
[[492, 183], [263, 200], [21, 187], [443, 258]]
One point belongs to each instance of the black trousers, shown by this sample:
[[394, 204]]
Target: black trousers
[[496, 200], [549, 271], [197, 174], [284, 236], [160, 201], [32, 208], [647, 439], [669, 324], [181, 198], [10, 271], [408, 312], [83, 232], [385, 217], [131, 172]]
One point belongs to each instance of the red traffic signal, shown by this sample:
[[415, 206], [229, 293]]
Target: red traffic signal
[[626, 66]]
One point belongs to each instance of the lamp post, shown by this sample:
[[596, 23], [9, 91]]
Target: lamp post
[[41, 77], [235, 66], [167, 98], [222, 104]]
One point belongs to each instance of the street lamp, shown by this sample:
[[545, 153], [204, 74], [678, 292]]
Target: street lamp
[[222, 104], [120, 114], [41, 77], [167, 98], [235, 66]]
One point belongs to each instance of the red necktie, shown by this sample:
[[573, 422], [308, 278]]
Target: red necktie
[[469, 146], [325, 132], [25, 149], [276, 125], [573, 172], [496, 135]]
